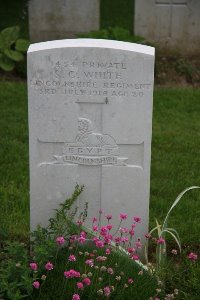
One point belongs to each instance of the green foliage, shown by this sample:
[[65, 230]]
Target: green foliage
[[162, 230], [12, 48], [115, 33], [43, 243], [62, 222], [15, 279], [184, 67]]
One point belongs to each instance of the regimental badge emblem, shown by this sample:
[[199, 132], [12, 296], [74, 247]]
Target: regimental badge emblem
[[90, 148]]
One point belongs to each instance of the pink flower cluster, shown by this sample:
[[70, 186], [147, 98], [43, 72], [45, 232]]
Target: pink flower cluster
[[123, 216], [105, 237], [192, 256], [76, 297], [101, 258], [82, 237], [36, 284], [107, 291], [161, 241], [72, 274], [49, 266], [86, 281], [90, 262], [72, 258], [60, 240], [33, 266]]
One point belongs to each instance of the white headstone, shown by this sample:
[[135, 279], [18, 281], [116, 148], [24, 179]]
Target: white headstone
[[175, 23], [58, 19], [90, 122]]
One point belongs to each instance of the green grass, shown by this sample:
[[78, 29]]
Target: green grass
[[14, 203], [175, 159]]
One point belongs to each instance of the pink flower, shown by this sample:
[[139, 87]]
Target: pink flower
[[137, 219], [117, 239], [95, 228], [101, 258], [161, 241], [87, 281], [192, 256], [79, 285], [124, 239], [174, 251], [76, 297], [131, 232], [71, 274], [123, 216], [72, 258], [147, 236], [106, 291], [83, 233], [100, 211], [81, 239], [99, 244], [94, 219], [138, 245], [108, 251], [135, 257], [33, 266], [49, 266], [109, 226], [131, 250], [110, 271], [104, 230], [73, 238], [133, 225], [90, 262], [108, 238], [36, 284], [60, 240], [79, 222], [108, 217], [123, 230], [130, 280]]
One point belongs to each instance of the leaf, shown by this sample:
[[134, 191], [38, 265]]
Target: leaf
[[159, 228], [8, 37], [14, 55], [155, 228], [6, 63], [22, 45], [176, 202], [176, 239]]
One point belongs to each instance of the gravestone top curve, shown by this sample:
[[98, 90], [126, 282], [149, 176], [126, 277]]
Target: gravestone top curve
[[94, 43]]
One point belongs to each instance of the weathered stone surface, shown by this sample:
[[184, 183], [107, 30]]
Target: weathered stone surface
[[90, 122], [172, 23], [58, 19]]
